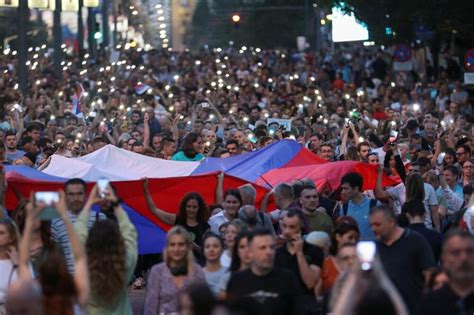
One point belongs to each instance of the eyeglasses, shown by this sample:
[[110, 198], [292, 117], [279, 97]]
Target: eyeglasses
[[460, 153]]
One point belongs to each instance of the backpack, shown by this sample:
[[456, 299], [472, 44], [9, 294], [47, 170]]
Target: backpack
[[345, 206]]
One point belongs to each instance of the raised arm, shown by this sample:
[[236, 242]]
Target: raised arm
[[355, 134], [3, 190], [265, 200], [343, 146], [81, 273], [24, 251], [380, 193], [146, 131], [220, 189], [166, 217]]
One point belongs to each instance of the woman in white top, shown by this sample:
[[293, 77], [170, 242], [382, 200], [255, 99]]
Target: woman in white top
[[9, 237], [213, 270], [233, 229]]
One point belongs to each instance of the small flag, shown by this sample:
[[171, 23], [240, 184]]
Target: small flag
[[76, 101], [141, 88]]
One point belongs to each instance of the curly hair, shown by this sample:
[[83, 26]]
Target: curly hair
[[106, 259], [203, 210]]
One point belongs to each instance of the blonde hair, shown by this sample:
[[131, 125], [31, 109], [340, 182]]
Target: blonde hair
[[179, 230]]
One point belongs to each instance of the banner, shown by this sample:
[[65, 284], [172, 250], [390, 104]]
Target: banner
[[9, 3], [91, 3], [70, 5], [285, 123], [38, 4]]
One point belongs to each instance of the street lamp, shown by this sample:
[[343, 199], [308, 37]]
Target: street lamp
[[236, 20]]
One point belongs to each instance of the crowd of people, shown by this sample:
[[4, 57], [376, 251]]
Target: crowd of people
[[404, 249]]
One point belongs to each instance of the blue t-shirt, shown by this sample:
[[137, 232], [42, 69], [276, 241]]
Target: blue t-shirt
[[457, 190], [15, 156], [360, 213], [180, 156]]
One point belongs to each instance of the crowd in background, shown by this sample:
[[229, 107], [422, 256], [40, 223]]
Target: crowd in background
[[305, 256]]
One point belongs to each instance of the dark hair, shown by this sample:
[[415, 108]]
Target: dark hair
[[106, 260], [362, 144], [297, 188], [466, 148], [293, 213], [75, 181], [9, 133], [388, 212], [235, 263], [450, 151], [259, 232], [374, 299], [353, 179], [165, 141], [414, 208], [456, 233], [211, 235], [467, 190], [415, 188], [202, 298], [26, 140], [57, 284], [137, 144], [187, 146], [344, 225], [203, 210], [98, 139], [232, 141], [218, 152], [453, 169], [33, 126], [285, 190], [235, 193]]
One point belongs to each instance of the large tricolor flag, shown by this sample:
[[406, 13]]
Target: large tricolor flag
[[283, 161]]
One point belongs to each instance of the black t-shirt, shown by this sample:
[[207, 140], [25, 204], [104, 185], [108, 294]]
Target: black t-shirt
[[314, 256], [272, 294], [404, 261], [196, 232], [434, 238], [444, 301]]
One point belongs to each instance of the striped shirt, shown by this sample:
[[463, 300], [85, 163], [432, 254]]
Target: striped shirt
[[59, 234]]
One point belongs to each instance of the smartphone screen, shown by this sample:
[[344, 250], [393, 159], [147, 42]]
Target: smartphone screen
[[393, 136], [102, 184], [48, 198]]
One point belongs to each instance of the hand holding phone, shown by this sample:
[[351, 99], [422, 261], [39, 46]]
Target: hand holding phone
[[366, 253], [440, 159], [47, 200], [103, 185]]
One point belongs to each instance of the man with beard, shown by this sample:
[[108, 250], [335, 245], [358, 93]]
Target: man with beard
[[457, 296], [405, 254], [75, 190]]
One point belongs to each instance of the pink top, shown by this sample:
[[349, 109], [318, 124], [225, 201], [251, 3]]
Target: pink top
[[162, 294]]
